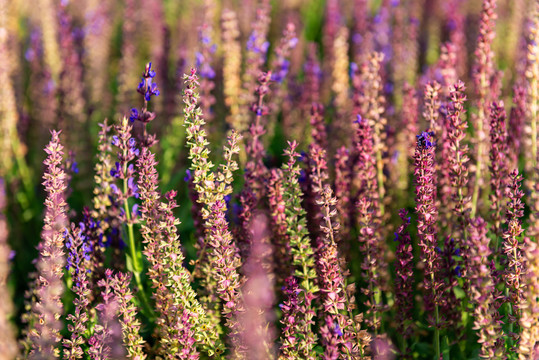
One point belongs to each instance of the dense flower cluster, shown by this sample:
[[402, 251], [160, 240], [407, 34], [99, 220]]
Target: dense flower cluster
[[401, 221]]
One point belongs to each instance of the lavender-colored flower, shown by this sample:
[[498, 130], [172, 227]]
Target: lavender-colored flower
[[427, 216], [281, 246], [456, 168], [291, 313], [171, 282], [45, 336], [404, 280], [512, 245], [225, 261], [77, 264], [368, 220], [332, 280], [529, 319], [369, 102], [451, 270], [302, 253], [483, 293], [198, 149], [483, 72], [94, 242], [106, 342], [127, 309], [498, 168], [255, 170]]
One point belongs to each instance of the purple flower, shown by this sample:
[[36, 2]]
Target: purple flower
[[427, 216], [338, 330], [425, 139], [134, 115], [146, 86], [45, 335], [404, 280], [116, 171], [132, 187], [257, 48]]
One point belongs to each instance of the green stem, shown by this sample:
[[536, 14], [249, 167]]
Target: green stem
[[137, 267], [437, 334], [437, 316], [509, 314]]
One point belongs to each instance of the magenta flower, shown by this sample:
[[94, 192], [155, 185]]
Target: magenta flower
[[404, 280], [427, 214], [45, 336]]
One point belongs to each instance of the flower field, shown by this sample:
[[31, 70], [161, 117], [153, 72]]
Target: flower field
[[269, 179]]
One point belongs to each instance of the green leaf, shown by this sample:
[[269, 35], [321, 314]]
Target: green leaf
[[459, 293]]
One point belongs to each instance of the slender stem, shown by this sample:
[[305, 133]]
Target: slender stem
[[137, 268], [437, 316], [509, 314]]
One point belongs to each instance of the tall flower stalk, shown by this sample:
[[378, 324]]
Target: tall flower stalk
[[368, 218], [341, 335], [372, 110], [281, 245], [512, 248], [426, 228], [255, 170], [77, 264], [45, 336], [456, 127], [529, 320], [212, 187], [483, 73], [132, 340], [404, 280], [498, 167], [483, 293], [302, 256]]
